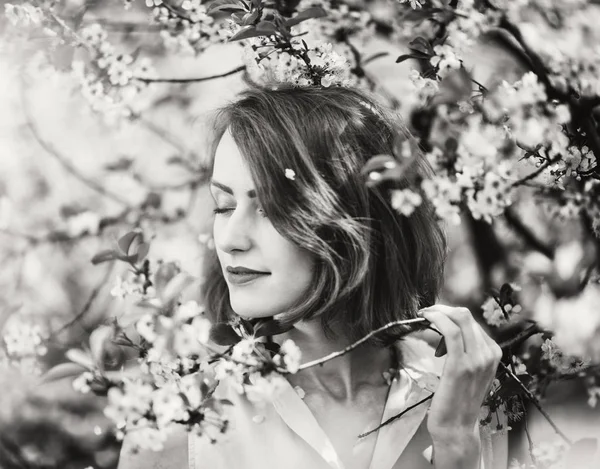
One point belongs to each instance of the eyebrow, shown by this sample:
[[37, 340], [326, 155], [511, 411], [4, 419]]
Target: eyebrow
[[251, 193]]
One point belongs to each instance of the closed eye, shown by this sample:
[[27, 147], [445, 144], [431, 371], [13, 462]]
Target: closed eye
[[223, 210]]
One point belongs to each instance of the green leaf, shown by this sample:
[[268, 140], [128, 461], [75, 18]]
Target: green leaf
[[223, 334], [309, 13], [64, 370], [105, 256], [127, 240], [245, 33]]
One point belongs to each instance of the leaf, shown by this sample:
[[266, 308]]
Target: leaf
[[441, 349], [511, 388], [266, 27], [142, 251], [245, 33], [250, 18], [309, 13], [163, 276], [104, 256], [270, 327], [219, 5], [78, 356], [127, 240], [122, 164], [61, 371], [422, 45], [506, 292], [98, 340], [223, 334], [404, 57], [177, 284]]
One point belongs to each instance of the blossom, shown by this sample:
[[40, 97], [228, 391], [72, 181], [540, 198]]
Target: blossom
[[23, 15], [414, 4], [445, 59], [263, 389], [291, 355], [405, 201], [492, 313], [129, 404], [290, 174]]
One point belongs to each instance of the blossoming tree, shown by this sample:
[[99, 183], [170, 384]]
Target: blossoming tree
[[515, 164]]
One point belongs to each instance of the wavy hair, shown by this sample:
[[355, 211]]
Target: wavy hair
[[374, 265]]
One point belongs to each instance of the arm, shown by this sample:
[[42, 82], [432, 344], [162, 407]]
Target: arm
[[469, 369]]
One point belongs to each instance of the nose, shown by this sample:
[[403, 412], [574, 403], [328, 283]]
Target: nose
[[234, 233]]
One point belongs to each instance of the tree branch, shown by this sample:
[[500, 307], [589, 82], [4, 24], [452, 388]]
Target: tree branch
[[525, 232], [191, 80], [65, 163]]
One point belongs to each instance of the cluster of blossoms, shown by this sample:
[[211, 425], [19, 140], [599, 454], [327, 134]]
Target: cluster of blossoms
[[187, 28], [355, 24], [497, 315], [23, 15], [327, 66], [110, 82], [22, 344]]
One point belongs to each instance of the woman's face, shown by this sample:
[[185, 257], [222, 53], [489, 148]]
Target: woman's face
[[246, 241]]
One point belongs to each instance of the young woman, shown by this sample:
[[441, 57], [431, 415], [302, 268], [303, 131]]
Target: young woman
[[300, 237]]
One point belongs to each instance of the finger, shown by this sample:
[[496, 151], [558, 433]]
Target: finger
[[451, 332], [473, 333]]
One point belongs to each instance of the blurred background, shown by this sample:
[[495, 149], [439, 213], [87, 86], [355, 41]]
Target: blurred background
[[73, 180]]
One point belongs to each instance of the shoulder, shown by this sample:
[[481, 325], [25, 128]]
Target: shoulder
[[174, 455]]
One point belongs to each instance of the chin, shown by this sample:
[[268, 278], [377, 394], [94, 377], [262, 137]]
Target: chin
[[248, 311]]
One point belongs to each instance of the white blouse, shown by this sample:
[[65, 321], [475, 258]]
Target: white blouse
[[286, 435]]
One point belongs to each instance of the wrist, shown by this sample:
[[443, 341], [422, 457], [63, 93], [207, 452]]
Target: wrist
[[457, 451]]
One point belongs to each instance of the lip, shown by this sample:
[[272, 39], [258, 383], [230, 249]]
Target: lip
[[244, 278]]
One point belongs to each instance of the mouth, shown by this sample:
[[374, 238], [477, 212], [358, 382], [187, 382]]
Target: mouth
[[243, 276]]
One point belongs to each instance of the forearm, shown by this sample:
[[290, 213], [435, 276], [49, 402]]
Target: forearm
[[457, 452]]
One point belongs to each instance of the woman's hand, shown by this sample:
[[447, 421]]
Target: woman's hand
[[469, 371]]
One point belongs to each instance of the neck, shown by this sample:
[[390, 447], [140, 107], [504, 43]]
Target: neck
[[342, 377]]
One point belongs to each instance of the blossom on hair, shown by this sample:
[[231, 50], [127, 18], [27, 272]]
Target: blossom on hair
[[405, 201], [290, 174]]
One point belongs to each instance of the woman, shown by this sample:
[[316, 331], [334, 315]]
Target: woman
[[300, 237]]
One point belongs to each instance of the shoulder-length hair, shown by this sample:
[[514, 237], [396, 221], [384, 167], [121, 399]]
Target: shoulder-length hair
[[374, 265]]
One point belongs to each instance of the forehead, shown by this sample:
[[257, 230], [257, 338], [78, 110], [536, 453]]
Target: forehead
[[229, 167]]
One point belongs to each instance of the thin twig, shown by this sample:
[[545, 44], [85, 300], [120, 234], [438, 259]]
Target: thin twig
[[396, 417], [352, 346], [528, 332], [87, 305], [65, 163], [536, 403], [534, 174], [191, 80]]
